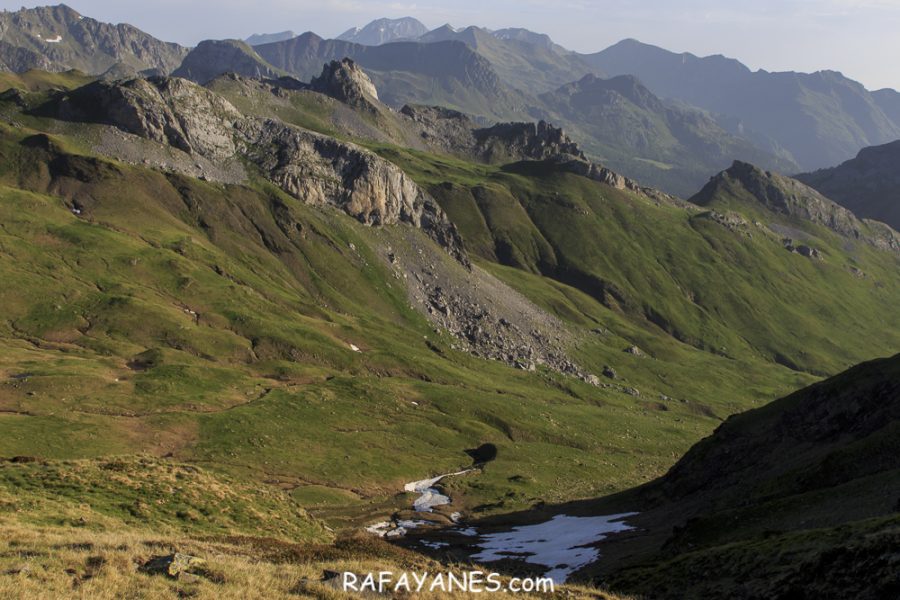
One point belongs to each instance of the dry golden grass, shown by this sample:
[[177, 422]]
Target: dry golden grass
[[51, 563]]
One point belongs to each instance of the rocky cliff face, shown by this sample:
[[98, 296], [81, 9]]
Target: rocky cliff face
[[323, 171], [57, 38], [792, 198], [312, 167], [344, 81]]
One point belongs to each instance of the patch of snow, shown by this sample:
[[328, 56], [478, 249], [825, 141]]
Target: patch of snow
[[430, 497], [412, 523], [76, 211], [55, 40], [561, 544], [391, 529], [380, 529], [355, 348]]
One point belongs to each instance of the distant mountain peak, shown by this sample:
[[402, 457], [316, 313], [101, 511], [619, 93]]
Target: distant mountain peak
[[211, 58], [383, 31], [258, 39], [519, 34], [626, 86]]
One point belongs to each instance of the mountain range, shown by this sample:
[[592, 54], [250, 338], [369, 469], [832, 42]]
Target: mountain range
[[816, 119], [704, 112]]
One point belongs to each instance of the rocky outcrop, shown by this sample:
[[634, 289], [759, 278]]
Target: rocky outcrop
[[792, 198], [344, 81], [457, 133], [171, 111], [442, 129], [597, 172], [321, 170], [314, 168], [532, 141], [175, 566]]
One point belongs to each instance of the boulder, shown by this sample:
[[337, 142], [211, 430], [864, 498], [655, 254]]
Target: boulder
[[175, 565]]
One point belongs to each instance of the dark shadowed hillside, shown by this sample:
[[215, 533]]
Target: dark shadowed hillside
[[795, 499], [868, 185]]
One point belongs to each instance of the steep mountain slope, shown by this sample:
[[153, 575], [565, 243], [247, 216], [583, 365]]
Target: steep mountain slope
[[798, 498], [446, 73], [56, 38], [868, 185], [889, 101], [526, 62], [382, 31], [819, 119], [711, 278], [633, 131], [747, 186], [211, 58]]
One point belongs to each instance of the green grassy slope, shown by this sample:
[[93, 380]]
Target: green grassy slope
[[728, 290], [214, 323], [158, 313]]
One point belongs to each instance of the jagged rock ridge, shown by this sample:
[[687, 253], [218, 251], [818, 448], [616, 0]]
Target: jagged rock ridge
[[343, 80]]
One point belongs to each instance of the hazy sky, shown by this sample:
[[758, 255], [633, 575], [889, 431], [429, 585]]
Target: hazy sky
[[860, 38]]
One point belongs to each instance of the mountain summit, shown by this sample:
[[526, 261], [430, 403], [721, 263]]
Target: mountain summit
[[382, 31], [57, 38]]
